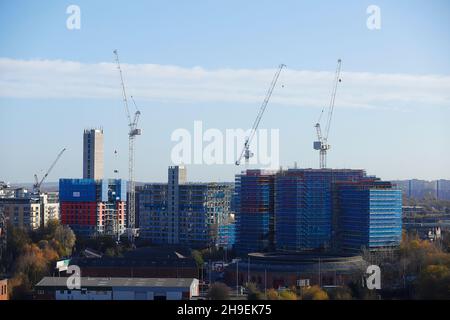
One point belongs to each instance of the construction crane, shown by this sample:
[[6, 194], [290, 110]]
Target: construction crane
[[37, 183], [132, 231], [322, 140], [246, 153]]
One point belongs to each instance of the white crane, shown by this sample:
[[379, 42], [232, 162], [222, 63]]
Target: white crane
[[322, 140], [132, 133], [37, 183], [246, 153]]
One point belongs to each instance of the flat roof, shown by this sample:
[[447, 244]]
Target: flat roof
[[93, 282]]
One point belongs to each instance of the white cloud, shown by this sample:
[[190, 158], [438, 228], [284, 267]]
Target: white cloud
[[69, 79]]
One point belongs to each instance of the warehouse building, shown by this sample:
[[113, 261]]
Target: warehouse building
[[56, 288]]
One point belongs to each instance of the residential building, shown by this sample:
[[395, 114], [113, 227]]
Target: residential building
[[421, 189], [49, 206], [304, 210], [304, 207], [254, 203], [23, 213], [181, 213], [93, 154], [369, 216], [93, 207]]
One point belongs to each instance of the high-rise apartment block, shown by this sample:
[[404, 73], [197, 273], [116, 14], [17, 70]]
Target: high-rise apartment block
[[181, 213], [254, 204], [369, 215], [93, 207], [339, 210], [93, 154]]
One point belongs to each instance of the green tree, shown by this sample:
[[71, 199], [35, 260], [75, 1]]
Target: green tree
[[219, 291], [253, 292], [198, 258], [434, 283], [66, 237]]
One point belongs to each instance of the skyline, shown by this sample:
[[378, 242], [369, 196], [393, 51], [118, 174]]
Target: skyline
[[391, 109]]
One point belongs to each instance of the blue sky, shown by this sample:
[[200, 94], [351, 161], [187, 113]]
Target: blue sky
[[391, 116]]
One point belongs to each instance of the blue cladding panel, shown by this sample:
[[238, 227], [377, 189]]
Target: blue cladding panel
[[370, 218], [77, 190]]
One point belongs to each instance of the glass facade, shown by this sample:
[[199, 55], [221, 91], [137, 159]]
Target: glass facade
[[304, 207], [370, 216]]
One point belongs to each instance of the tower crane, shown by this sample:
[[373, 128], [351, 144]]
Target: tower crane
[[322, 140], [246, 153], [132, 133], [37, 183]]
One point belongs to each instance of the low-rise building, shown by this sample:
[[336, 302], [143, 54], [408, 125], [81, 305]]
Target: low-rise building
[[3, 289], [56, 288]]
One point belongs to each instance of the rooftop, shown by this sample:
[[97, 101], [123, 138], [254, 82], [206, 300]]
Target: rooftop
[[93, 282]]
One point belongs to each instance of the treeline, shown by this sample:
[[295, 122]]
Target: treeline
[[31, 255]]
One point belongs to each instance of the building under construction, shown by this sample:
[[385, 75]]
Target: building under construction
[[320, 210], [93, 207]]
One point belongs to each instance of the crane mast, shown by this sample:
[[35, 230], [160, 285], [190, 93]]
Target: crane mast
[[133, 132], [246, 153], [322, 140]]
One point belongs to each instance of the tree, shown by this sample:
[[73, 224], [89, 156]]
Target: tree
[[314, 293], [434, 283], [272, 294], [65, 236], [288, 295], [253, 292], [340, 293], [198, 258], [219, 291], [17, 240]]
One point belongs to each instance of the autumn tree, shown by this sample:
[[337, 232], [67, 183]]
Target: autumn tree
[[314, 293], [434, 283], [288, 295], [272, 294]]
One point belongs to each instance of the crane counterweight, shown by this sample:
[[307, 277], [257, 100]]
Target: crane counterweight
[[321, 143], [132, 133]]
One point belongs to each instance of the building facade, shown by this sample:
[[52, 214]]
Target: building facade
[[254, 204], [22, 213], [55, 288], [370, 216], [300, 210], [93, 207], [304, 207], [3, 289], [183, 213], [93, 154]]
